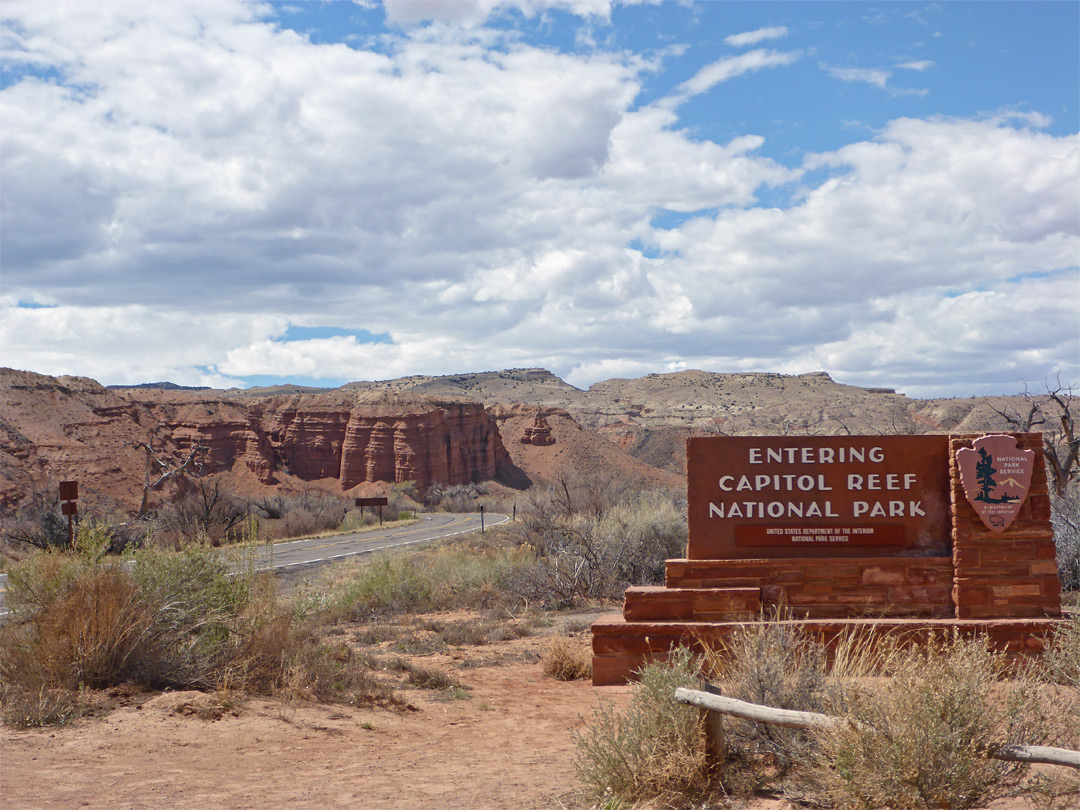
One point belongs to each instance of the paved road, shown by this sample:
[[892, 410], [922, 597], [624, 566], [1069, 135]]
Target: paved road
[[430, 527], [323, 549]]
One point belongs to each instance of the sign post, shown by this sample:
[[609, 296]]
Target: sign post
[[379, 502], [69, 493]]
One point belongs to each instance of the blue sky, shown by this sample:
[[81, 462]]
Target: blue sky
[[223, 192]]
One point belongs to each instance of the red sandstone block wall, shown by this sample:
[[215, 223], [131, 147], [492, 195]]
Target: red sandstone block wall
[[831, 588]]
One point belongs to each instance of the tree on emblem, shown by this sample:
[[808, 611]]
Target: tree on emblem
[[984, 474]]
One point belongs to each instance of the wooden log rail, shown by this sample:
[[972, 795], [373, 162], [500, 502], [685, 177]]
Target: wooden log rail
[[791, 719]]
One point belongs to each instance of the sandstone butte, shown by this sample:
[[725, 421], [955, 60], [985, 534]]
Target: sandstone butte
[[52, 427]]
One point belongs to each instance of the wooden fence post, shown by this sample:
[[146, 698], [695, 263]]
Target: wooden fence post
[[713, 724]]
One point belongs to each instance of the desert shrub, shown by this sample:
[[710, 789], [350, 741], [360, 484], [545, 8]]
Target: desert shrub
[[38, 521], [27, 708], [455, 498], [919, 739], [597, 553], [475, 632], [310, 511], [567, 659], [205, 508], [87, 620], [771, 664], [1062, 660], [414, 644], [403, 497], [1062, 657], [356, 519], [652, 751], [423, 677], [188, 620], [335, 674], [458, 575]]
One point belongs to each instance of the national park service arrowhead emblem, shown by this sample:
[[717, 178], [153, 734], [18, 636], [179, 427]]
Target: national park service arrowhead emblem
[[996, 476]]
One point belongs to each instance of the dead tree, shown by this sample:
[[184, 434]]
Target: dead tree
[[164, 470], [1052, 414]]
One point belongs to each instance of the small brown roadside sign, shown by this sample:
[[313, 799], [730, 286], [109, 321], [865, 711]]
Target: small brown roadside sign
[[372, 501], [69, 490]]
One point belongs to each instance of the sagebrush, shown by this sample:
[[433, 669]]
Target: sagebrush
[[654, 749]]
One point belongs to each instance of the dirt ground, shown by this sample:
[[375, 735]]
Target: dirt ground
[[506, 745]]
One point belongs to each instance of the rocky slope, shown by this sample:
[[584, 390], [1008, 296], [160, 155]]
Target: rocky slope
[[451, 429], [69, 427], [650, 417]]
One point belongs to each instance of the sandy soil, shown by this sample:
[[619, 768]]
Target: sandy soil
[[507, 745]]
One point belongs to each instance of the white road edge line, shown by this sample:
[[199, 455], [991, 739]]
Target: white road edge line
[[385, 548]]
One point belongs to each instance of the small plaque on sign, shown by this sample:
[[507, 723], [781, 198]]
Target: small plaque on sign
[[817, 536], [69, 491], [996, 476], [69, 508]]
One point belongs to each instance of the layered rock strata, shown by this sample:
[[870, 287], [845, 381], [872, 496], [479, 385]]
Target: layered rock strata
[[74, 428]]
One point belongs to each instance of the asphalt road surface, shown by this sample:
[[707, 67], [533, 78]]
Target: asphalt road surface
[[323, 549]]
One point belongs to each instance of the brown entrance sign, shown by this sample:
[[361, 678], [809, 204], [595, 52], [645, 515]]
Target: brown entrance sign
[[863, 534], [996, 476], [817, 496]]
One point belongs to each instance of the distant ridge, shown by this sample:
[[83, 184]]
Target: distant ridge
[[647, 419], [164, 386]]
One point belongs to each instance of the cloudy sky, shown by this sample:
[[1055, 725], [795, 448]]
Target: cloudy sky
[[224, 192]]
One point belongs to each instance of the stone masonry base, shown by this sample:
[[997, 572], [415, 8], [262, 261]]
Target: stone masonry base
[[621, 646]]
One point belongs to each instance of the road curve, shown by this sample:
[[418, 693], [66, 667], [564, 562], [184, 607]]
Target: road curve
[[318, 550]]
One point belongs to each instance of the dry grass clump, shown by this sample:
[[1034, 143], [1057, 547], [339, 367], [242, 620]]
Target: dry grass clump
[[427, 678], [567, 659], [920, 739], [771, 664], [473, 632], [186, 621], [466, 574], [654, 749]]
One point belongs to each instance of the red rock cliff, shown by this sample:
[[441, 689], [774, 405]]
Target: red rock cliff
[[54, 429], [388, 438]]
